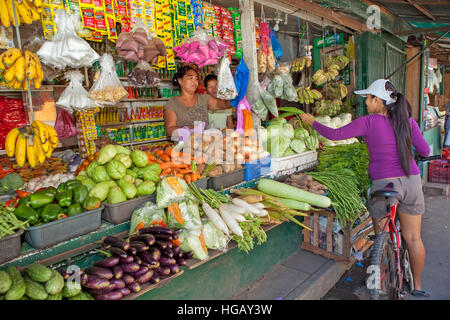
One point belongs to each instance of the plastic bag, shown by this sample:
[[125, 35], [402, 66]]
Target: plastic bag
[[270, 102], [65, 125], [75, 96], [67, 48], [226, 89], [192, 240], [276, 46], [149, 214], [214, 238], [171, 189], [241, 81], [276, 86], [143, 76], [183, 215], [107, 89], [289, 92]]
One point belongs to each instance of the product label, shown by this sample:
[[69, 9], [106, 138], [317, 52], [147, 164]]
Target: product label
[[100, 22], [87, 14]]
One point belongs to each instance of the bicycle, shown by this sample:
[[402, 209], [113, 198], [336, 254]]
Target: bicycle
[[390, 271]]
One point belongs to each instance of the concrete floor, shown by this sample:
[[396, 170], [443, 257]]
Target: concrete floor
[[436, 273]]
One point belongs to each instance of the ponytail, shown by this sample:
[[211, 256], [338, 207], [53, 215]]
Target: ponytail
[[399, 113]]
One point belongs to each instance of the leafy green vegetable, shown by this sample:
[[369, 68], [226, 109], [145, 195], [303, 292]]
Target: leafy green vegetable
[[251, 228], [298, 145], [12, 181]]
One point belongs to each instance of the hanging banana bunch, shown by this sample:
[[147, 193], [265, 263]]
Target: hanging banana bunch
[[308, 95], [299, 64], [26, 12], [17, 67], [333, 65], [34, 143]]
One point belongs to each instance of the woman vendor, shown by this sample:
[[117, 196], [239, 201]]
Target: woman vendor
[[220, 113], [189, 107]]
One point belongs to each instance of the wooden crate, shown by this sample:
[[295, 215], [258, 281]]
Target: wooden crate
[[360, 243]]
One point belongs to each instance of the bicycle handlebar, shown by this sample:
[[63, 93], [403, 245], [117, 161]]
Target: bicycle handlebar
[[420, 158]]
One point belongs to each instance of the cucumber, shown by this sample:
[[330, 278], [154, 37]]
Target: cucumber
[[18, 287], [39, 273], [71, 289], [57, 296], [55, 284], [5, 282], [35, 290]]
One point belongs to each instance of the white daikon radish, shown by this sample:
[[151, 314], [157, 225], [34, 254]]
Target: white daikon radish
[[229, 220], [241, 203], [215, 218]]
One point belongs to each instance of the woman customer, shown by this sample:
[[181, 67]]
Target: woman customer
[[220, 113], [189, 107], [389, 133]]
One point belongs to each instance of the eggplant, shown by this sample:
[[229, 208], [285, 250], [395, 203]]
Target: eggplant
[[155, 253], [64, 274], [132, 251], [181, 262], [128, 259], [113, 295], [130, 267], [167, 261], [140, 272], [176, 250], [169, 244], [97, 292], [95, 282], [107, 263], [163, 237], [145, 277], [156, 230], [175, 236], [84, 279], [124, 291], [137, 259], [155, 278], [140, 246], [118, 283], [174, 268], [151, 266], [100, 272], [168, 253], [116, 242], [145, 256], [188, 255], [134, 286], [180, 255], [161, 244], [163, 271], [118, 252], [145, 237], [127, 278], [118, 272]]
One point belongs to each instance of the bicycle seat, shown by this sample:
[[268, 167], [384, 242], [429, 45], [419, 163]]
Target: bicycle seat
[[387, 191]]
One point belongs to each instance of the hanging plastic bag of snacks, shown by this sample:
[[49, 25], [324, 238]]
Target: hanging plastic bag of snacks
[[107, 89], [75, 97], [226, 88], [66, 49], [143, 76], [270, 102]]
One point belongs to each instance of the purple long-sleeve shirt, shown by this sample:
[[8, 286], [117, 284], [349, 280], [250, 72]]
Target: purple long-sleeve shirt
[[379, 137]]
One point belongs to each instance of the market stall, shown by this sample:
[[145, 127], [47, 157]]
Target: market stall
[[95, 189]]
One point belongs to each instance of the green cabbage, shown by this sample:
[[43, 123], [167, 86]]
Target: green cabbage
[[298, 145], [288, 152], [189, 213], [214, 238], [190, 242], [100, 174], [125, 159], [139, 158], [106, 154], [116, 169], [301, 133], [288, 131]]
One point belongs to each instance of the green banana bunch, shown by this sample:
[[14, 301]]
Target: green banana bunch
[[308, 95], [328, 107]]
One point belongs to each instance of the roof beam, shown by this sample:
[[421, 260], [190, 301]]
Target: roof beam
[[421, 9], [419, 2], [423, 31]]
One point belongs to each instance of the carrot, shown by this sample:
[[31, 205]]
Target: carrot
[[179, 165], [180, 175], [188, 178], [173, 182], [168, 151], [165, 165], [175, 211], [165, 158], [185, 171], [159, 162], [159, 152]]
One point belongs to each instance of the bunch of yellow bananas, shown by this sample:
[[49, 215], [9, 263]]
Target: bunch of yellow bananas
[[298, 64], [308, 95], [17, 67], [35, 143], [26, 11]]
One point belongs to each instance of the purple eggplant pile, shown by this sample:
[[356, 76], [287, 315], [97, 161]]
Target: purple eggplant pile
[[143, 257]]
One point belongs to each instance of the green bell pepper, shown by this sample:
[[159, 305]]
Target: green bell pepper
[[50, 212], [62, 187], [52, 190], [74, 209], [41, 198], [24, 200], [80, 193], [24, 212], [72, 184], [65, 198]]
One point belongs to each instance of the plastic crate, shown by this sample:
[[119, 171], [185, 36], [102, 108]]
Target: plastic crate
[[294, 161], [439, 171], [258, 168], [121, 212], [54, 232], [201, 183], [226, 180], [10, 246]]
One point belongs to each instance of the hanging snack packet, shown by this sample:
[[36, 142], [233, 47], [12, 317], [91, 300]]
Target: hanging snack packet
[[226, 88], [107, 89], [75, 97]]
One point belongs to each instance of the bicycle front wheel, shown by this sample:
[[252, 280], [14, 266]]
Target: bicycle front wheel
[[382, 261]]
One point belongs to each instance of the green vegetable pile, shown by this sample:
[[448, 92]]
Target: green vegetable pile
[[10, 183], [343, 192], [9, 223], [251, 229], [354, 157]]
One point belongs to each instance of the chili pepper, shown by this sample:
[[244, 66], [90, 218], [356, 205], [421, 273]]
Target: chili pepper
[[65, 198], [12, 203], [22, 193], [50, 212]]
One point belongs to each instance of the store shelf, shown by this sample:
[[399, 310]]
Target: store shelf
[[144, 99], [145, 142], [123, 124]]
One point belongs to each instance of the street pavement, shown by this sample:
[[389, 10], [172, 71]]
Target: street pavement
[[436, 272]]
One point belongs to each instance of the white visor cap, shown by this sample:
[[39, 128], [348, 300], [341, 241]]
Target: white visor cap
[[378, 89]]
